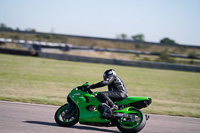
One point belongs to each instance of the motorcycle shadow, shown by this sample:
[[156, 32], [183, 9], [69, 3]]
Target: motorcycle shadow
[[81, 127]]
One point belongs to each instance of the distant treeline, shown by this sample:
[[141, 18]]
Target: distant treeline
[[139, 38]]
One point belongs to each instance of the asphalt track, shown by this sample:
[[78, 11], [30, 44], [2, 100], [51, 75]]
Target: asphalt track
[[34, 118]]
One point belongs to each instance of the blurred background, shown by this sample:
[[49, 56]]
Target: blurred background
[[178, 20], [156, 31], [130, 36]]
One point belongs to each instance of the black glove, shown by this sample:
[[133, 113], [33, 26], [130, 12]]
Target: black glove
[[87, 87]]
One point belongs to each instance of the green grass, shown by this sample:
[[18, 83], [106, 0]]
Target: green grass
[[46, 81]]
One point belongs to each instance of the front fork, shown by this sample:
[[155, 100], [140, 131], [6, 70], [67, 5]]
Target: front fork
[[70, 107]]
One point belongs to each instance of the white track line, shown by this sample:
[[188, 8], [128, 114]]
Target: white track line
[[33, 104]]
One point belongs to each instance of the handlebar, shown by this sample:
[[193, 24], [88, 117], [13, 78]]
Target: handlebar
[[85, 89]]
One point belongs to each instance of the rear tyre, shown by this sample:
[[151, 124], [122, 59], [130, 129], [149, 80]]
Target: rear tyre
[[133, 125], [65, 119]]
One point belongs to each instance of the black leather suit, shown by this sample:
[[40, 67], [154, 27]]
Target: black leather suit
[[116, 90]]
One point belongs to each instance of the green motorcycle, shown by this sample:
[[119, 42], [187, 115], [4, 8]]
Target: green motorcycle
[[84, 107]]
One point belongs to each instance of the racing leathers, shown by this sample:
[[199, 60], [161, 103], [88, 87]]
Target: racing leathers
[[116, 90]]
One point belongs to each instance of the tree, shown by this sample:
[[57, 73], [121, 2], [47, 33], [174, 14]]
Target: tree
[[4, 27], [124, 36], [30, 30], [192, 55], [167, 41], [164, 57], [139, 37], [17, 29]]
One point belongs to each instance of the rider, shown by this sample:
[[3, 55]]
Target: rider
[[116, 89]]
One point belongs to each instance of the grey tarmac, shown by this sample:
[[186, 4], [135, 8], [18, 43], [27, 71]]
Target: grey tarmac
[[18, 117]]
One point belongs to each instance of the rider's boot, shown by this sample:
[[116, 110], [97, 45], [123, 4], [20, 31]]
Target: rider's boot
[[109, 107], [112, 106], [106, 110]]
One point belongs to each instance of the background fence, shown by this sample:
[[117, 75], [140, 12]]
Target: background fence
[[142, 64]]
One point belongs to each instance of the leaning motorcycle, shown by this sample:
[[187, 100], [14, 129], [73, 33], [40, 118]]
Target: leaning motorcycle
[[85, 108]]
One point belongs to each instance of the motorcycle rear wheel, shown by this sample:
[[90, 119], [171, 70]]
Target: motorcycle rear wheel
[[66, 119], [132, 125]]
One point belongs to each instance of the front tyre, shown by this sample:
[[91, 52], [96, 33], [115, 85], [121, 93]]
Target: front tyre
[[134, 124], [66, 119]]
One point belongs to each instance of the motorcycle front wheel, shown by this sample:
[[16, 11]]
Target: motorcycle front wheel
[[66, 119], [133, 125]]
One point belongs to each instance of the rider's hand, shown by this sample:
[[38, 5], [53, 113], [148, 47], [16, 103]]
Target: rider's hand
[[87, 87]]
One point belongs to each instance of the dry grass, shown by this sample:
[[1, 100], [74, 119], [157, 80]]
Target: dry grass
[[36, 80]]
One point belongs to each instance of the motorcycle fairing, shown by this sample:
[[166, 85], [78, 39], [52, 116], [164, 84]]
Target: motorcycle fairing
[[83, 100], [133, 100]]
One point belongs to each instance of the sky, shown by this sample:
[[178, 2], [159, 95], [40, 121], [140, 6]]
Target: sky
[[178, 20]]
